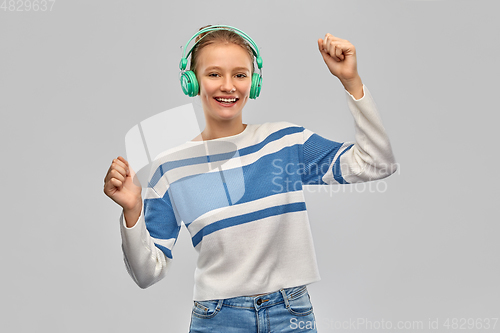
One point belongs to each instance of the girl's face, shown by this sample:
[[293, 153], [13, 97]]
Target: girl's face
[[224, 73]]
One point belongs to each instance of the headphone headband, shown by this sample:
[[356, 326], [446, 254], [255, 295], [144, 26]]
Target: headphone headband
[[255, 49]]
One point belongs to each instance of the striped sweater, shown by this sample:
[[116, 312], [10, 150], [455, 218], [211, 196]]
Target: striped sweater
[[241, 198]]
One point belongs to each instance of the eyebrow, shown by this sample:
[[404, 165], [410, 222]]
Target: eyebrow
[[235, 69]]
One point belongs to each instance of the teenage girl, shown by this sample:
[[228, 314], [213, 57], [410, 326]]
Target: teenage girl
[[242, 201]]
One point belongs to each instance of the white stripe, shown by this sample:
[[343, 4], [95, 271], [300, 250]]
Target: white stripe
[[151, 194], [307, 134], [168, 243], [244, 208]]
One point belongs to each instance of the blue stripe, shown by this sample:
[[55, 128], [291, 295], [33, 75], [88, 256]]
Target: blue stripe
[[167, 166], [160, 218], [270, 138], [228, 196], [337, 172], [245, 218], [317, 154], [196, 195]]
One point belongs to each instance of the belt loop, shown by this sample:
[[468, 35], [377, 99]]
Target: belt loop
[[285, 298], [219, 305]]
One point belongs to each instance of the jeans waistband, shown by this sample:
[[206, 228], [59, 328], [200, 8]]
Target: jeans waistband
[[280, 296]]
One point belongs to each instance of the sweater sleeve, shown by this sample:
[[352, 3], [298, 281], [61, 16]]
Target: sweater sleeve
[[370, 157], [148, 244]]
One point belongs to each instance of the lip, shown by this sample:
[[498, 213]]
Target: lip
[[227, 97], [225, 104]]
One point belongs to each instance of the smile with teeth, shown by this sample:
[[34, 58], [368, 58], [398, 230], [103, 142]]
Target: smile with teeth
[[226, 100]]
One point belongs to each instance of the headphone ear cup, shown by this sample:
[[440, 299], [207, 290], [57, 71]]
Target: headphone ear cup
[[189, 83], [256, 85]]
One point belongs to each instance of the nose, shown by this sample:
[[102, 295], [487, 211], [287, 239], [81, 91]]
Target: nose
[[227, 84]]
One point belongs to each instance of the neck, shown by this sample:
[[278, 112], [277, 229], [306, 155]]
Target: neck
[[216, 130]]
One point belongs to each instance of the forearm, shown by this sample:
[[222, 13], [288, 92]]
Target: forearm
[[132, 215], [371, 157], [145, 263], [354, 87]]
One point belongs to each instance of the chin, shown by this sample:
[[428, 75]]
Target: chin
[[228, 116]]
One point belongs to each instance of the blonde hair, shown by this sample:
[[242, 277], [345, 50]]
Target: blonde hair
[[218, 36]]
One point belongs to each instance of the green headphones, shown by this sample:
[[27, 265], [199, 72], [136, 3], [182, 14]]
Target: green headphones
[[188, 79]]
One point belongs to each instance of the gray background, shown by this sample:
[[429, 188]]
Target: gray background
[[74, 80]]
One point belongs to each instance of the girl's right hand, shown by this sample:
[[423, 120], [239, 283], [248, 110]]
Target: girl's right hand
[[119, 185]]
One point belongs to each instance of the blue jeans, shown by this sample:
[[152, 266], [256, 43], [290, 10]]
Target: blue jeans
[[286, 310]]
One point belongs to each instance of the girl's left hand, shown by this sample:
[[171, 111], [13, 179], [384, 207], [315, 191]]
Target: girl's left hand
[[340, 57]]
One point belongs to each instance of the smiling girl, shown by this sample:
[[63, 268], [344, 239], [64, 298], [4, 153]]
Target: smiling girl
[[238, 190], [224, 73]]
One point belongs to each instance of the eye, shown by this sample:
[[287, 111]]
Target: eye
[[213, 75], [241, 76]]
